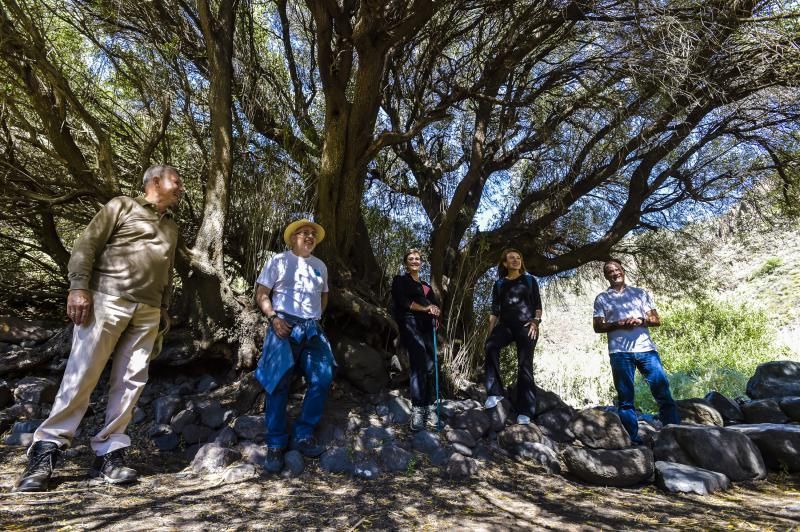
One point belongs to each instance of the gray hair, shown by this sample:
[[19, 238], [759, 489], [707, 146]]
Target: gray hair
[[157, 170]]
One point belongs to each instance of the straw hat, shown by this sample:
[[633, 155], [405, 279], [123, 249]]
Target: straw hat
[[292, 228]]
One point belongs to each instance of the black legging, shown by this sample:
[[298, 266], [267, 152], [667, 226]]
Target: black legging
[[418, 341], [503, 334]]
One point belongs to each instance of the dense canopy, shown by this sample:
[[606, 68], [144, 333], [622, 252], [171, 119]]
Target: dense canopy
[[557, 126]]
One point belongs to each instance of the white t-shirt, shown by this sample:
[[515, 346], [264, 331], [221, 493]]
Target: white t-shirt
[[631, 302], [297, 284]]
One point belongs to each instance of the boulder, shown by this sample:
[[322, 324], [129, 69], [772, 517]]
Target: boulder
[[499, 415], [239, 473], [515, 435], [779, 444], [293, 464], [477, 422], [599, 429], [330, 432], [547, 400], [399, 409], [361, 364], [605, 467], [365, 466], [23, 411], [426, 442], [728, 409], [336, 460], [538, 454], [15, 330], [206, 384], [5, 422], [249, 427], [166, 440], [394, 458], [374, 437], [35, 390], [764, 411], [461, 449], [226, 437], [699, 412], [212, 414], [449, 407], [682, 478], [182, 419], [648, 432], [52, 354], [460, 436], [441, 456], [555, 424], [196, 434], [213, 457], [791, 407], [6, 395], [775, 379], [165, 407], [159, 430], [177, 350], [139, 415], [719, 449], [252, 453], [461, 467]]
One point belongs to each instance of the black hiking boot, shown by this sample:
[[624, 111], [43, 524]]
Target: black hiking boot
[[432, 417], [42, 460], [308, 447], [418, 415], [111, 468], [273, 463]]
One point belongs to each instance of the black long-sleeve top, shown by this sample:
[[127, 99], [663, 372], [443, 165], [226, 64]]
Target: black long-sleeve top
[[405, 290], [513, 300]]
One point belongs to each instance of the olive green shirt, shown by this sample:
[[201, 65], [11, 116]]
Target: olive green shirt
[[127, 250]]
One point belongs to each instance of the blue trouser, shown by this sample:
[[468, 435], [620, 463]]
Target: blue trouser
[[623, 367], [312, 356]]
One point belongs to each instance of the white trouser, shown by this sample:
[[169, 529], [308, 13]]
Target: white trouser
[[117, 325]]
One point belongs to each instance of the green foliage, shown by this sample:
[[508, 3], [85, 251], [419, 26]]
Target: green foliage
[[508, 364], [769, 266], [707, 345]]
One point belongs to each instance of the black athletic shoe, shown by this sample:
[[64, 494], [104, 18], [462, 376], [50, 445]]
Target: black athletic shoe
[[111, 468], [273, 463], [308, 447], [433, 417], [42, 459], [418, 415]]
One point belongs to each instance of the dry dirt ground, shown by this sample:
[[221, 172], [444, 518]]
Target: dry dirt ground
[[505, 495]]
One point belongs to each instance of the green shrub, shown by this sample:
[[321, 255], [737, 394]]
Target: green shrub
[[769, 266], [707, 345]]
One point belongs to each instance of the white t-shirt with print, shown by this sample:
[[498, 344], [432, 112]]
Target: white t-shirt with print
[[630, 302], [297, 284]]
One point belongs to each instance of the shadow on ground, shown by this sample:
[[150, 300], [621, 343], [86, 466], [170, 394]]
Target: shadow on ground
[[506, 494]]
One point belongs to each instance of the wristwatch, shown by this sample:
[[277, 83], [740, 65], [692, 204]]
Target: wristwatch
[[537, 321], [270, 318]]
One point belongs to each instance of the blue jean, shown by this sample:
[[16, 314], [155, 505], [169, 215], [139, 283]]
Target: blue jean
[[623, 367], [314, 359]]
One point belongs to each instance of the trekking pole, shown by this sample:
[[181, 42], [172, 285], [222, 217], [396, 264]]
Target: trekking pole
[[436, 380]]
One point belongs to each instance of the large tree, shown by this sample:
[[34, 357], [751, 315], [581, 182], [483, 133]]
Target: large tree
[[558, 127]]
